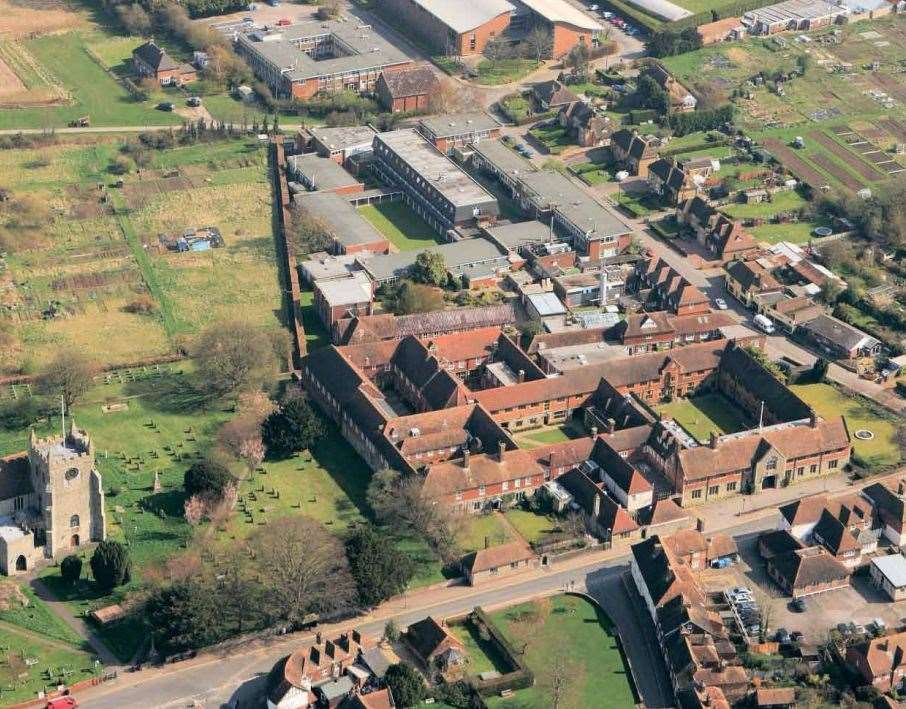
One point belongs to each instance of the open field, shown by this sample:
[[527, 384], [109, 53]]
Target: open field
[[73, 283], [402, 227], [572, 626], [702, 415], [828, 401], [23, 19]]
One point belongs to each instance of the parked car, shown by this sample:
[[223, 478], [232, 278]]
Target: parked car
[[720, 303], [193, 101], [782, 636], [796, 636], [764, 324], [165, 106], [798, 605]]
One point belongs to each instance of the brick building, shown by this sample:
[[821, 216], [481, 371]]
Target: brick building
[[451, 28], [458, 130], [407, 90], [149, 60]]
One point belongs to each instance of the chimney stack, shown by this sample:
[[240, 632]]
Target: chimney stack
[[901, 487], [521, 376], [611, 425], [594, 431], [466, 454], [501, 449], [813, 418], [713, 442]]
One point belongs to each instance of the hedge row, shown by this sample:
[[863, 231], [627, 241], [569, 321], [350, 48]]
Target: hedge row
[[651, 24], [521, 678], [737, 9]]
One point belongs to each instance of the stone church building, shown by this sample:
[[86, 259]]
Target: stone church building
[[51, 500]]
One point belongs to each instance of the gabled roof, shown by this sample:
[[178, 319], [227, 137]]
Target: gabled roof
[[427, 636], [840, 333], [554, 93], [665, 577], [763, 385], [562, 12], [464, 17], [752, 276], [366, 328], [778, 541], [497, 556], [448, 478], [882, 655], [835, 535], [155, 57], [666, 511], [728, 237]]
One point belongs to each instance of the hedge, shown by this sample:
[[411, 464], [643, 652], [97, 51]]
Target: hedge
[[521, 678], [651, 24]]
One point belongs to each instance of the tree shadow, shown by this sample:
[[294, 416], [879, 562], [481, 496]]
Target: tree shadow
[[171, 503], [173, 395]]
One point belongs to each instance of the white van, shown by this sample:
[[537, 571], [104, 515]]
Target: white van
[[764, 324]]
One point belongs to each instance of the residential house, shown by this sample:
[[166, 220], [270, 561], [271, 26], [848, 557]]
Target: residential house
[[634, 152], [747, 279], [378, 699], [729, 241], [552, 95], [808, 571], [407, 90], [697, 214], [607, 519], [434, 644], [777, 542], [890, 506], [881, 662], [788, 312], [588, 127], [775, 697], [669, 180], [681, 99], [665, 289], [841, 341], [491, 562], [149, 60]]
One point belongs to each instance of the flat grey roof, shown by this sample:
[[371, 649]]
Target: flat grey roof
[[795, 10], [321, 173], [512, 236], [464, 16], [435, 168], [503, 158], [341, 137], [457, 254], [548, 187], [893, 566], [362, 48], [546, 304], [356, 288], [458, 124], [346, 225], [592, 218], [561, 11]]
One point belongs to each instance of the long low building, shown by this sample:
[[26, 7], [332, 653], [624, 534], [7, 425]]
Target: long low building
[[351, 233], [452, 28], [303, 59], [460, 257], [433, 185]]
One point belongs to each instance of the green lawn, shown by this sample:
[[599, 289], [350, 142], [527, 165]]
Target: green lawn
[[403, 227], [700, 415], [94, 92], [550, 434], [476, 529], [587, 637], [554, 138], [316, 334], [37, 617], [29, 664], [533, 527], [482, 655], [639, 205], [503, 71], [798, 233], [828, 401], [787, 201], [591, 173]]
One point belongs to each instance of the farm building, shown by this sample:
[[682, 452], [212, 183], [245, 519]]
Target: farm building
[[306, 58]]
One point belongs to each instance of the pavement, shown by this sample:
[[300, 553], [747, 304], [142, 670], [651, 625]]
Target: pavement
[[215, 679]]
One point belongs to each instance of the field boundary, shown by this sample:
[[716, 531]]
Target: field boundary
[[26, 67], [287, 254]]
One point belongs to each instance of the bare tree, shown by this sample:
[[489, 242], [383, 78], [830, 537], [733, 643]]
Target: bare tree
[[452, 97], [304, 568], [234, 357], [563, 677], [308, 233], [539, 42], [68, 374]]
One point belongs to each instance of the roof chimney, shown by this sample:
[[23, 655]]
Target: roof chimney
[[466, 454], [611, 425], [713, 442], [813, 418], [521, 376], [501, 449], [594, 431]]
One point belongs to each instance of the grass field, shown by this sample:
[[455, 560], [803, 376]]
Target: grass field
[[94, 92], [533, 527], [30, 663], [702, 415], [573, 626], [402, 227], [478, 529], [546, 435], [92, 262], [798, 233], [828, 402], [34, 615], [503, 71]]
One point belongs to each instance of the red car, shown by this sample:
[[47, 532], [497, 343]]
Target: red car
[[62, 703]]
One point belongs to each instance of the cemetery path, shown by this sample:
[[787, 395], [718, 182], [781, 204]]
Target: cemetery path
[[77, 624]]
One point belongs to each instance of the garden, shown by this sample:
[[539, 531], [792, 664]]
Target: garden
[[554, 137], [704, 414], [570, 643]]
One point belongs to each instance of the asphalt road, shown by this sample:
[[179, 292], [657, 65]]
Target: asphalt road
[[238, 676]]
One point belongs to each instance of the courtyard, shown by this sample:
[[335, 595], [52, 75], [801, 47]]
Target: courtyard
[[403, 228], [546, 435], [705, 414]]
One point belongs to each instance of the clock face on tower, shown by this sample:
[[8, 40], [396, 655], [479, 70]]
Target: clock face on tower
[[71, 474]]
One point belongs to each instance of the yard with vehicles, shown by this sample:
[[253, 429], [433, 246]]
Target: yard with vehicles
[[705, 414], [78, 281], [574, 629], [403, 227], [883, 449]]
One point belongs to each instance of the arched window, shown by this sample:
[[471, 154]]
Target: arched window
[[74, 521]]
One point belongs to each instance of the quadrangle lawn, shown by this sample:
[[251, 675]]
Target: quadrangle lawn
[[402, 227], [478, 528], [700, 415], [829, 402], [586, 635]]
